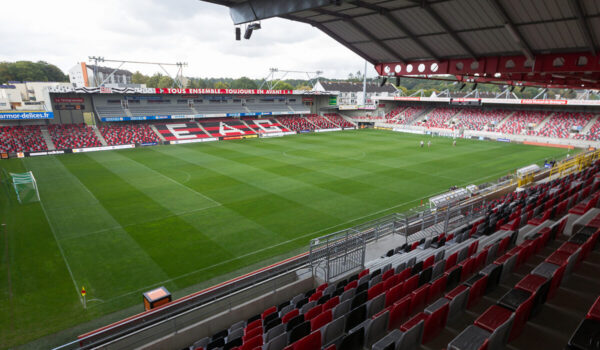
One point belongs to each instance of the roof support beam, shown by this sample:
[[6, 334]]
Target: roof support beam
[[333, 35], [387, 14], [256, 10], [425, 5], [359, 27], [512, 29], [583, 24]]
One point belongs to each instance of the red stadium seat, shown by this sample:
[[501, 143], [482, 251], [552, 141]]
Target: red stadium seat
[[321, 320]]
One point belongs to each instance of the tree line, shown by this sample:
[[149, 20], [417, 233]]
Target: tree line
[[30, 71]]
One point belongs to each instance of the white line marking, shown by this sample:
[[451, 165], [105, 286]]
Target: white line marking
[[178, 183], [59, 246], [61, 251]]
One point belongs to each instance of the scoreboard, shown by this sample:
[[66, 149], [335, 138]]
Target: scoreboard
[[465, 101]]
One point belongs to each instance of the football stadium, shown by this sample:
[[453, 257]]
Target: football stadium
[[137, 217]]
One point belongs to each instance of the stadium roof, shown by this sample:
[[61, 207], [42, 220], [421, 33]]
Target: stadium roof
[[519, 42], [343, 86], [108, 70]]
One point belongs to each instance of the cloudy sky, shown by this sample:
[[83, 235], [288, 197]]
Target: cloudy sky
[[64, 32]]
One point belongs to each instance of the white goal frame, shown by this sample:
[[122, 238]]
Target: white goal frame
[[24, 178]]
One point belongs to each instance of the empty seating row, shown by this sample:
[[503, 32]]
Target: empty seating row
[[593, 134], [407, 116], [66, 136], [504, 321], [415, 298], [320, 122], [339, 120], [586, 333], [295, 123], [521, 121], [560, 124], [265, 125], [122, 134], [439, 118], [479, 119], [354, 305], [21, 139]]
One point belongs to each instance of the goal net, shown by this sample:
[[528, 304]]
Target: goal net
[[25, 187]]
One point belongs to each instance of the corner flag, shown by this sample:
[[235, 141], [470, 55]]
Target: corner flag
[[83, 292]]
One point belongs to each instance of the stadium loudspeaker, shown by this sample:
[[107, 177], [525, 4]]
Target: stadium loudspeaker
[[238, 33], [248, 32], [383, 81]]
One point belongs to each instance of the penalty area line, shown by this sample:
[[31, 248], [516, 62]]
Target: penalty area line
[[61, 252]]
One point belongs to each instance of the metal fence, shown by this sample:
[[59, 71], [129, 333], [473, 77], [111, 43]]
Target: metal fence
[[341, 252]]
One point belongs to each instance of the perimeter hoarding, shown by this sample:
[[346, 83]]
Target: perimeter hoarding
[[174, 91], [12, 115]]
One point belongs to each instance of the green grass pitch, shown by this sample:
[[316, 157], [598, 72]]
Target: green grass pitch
[[123, 222]]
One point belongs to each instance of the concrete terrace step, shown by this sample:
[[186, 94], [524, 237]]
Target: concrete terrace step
[[348, 119], [588, 126], [99, 136], [560, 316], [505, 119], [202, 128], [453, 329], [419, 115], [310, 122], [157, 133], [540, 125], [47, 138], [329, 120]]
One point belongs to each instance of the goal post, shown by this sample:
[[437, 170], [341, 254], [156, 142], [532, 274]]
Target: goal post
[[25, 187]]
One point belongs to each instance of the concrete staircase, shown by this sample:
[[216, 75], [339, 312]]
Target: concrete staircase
[[454, 118], [505, 119], [99, 136], [310, 122], [248, 126], [329, 120], [419, 115], [204, 130], [541, 125], [157, 133], [348, 119], [397, 114], [47, 138], [588, 126]]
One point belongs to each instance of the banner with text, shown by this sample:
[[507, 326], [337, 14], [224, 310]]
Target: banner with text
[[12, 115]]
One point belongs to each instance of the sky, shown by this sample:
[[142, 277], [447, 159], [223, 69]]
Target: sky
[[64, 32]]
